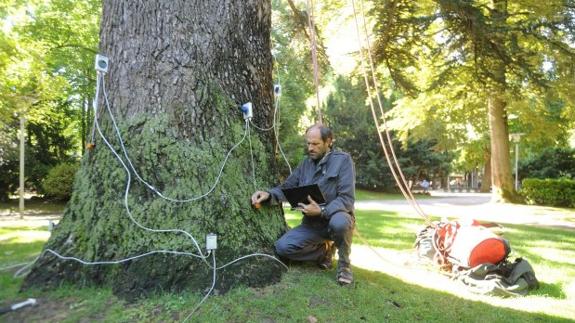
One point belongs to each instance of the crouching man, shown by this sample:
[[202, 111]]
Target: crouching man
[[323, 228]]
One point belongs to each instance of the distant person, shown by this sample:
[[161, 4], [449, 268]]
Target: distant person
[[424, 185], [323, 227]]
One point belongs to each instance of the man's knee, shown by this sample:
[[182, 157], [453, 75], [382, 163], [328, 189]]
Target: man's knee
[[282, 247], [341, 222]]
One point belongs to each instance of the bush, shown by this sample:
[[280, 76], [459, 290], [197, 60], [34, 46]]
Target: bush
[[552, 192], [555, 162], [59, 181]]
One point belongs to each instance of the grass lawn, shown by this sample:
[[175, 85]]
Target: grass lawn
[[306, 293], [32, 206], [364, 195]]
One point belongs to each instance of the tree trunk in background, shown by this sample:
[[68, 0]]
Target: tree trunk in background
[[178, 72], [486, 180], [503, 190]]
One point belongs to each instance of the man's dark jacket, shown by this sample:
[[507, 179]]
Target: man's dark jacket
[[335, 176]]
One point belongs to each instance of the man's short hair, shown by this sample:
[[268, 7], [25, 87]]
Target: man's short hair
[[324, 131]]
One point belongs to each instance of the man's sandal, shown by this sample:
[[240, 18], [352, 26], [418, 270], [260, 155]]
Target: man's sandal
[[344, 276]]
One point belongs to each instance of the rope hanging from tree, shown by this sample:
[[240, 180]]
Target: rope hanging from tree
[[387, 147]]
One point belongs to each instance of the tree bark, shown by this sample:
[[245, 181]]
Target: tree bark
[[178, 72], [503, 190], [486, 181]]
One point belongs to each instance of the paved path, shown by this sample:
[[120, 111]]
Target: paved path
[[466, 206]]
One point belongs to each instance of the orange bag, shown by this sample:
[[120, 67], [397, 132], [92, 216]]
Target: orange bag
[[474, 245]]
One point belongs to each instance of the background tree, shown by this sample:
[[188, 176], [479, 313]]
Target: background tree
[[346, 112], [68, 32], [293, 71], [178, 72], [505, 53], [44, 77]]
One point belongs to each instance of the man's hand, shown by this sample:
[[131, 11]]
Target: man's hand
[[311, 209], [259, 197]]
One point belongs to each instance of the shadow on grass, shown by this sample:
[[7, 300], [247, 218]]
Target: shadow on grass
[[303, 292], [550, 290], [13, 252], [33, 206]]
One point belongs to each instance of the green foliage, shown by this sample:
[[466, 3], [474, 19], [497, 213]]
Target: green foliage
[[293, 70], [353, 125], [447, 55], [550, 163], [46, 75], [8, 161], [552, 192], [59, 181], [47, 144]]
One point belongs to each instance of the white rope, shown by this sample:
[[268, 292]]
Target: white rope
[[391, 161], [383, 114], [120, 261], [253, 255], [95, 107], [277, 133], [314, 56]]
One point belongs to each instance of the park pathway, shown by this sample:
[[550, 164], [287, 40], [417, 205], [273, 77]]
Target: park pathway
[[466, 206]]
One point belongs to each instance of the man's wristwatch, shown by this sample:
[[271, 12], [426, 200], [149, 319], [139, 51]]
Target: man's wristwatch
[[323, 212]]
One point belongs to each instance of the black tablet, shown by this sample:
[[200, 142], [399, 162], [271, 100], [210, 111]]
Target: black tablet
[[299, 194]]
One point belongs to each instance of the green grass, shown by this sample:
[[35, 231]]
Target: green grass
[[305, 291], [364, 195], [32, 206]]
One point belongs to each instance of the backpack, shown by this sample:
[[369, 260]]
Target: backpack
[[503, 279], [452, 244], [477, 257]]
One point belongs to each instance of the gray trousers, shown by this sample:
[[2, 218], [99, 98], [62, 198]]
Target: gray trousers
[[308, 241]]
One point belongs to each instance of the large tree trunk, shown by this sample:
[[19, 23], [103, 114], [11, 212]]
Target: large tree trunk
[[503, 190], [179, 70], [486, 182], [500, 163]]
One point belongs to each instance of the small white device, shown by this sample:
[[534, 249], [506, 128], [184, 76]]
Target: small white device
[[247, 110], [211, 241], [101, 63]]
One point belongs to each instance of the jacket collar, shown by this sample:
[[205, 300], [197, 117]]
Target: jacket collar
[[324, 158]]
